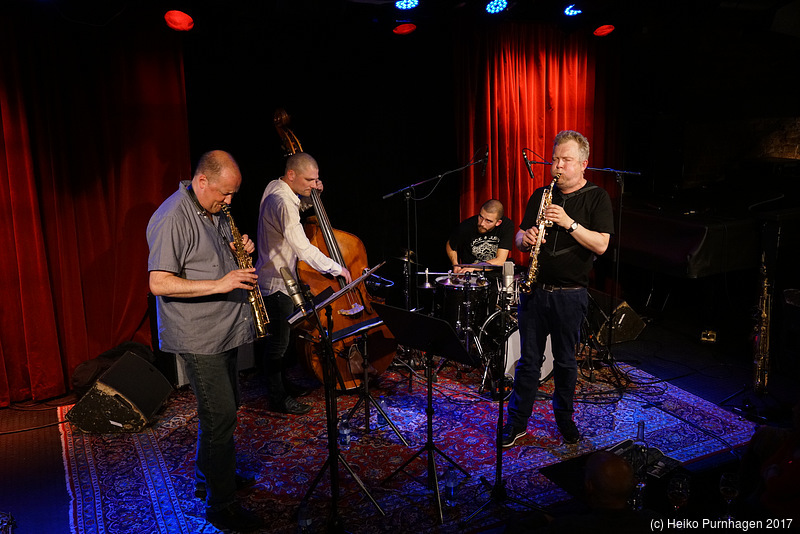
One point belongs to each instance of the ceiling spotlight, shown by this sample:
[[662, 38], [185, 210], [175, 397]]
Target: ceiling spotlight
[[604, 30], [406, 4], [571, 11], [496, 6], [178, 20], [404, 28]]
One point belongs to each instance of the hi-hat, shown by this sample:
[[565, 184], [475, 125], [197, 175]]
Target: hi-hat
[[405, 260]]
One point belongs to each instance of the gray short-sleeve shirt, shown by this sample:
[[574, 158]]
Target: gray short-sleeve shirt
[[184, 241]]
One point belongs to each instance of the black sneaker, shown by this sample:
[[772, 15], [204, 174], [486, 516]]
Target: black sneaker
[[291, 406], [242, 482], [511, 434], [569, 431], [234, 517]]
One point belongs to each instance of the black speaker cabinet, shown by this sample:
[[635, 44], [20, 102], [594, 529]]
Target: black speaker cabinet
[[124, 399], [603, 316]]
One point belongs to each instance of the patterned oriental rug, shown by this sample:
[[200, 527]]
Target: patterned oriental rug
[[143, 482]]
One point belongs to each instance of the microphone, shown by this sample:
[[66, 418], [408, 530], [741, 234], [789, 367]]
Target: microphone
[[293, 289], [527, 164], [508, 276], [485, 161]]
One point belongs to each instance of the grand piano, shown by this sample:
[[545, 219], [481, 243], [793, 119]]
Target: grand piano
[[707, 232], [688, 244]]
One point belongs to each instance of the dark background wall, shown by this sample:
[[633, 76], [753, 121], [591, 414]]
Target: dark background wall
[[703, 94], [705, 102]]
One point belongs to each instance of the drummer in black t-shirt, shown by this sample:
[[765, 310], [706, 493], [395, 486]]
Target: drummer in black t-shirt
[[486, 237]]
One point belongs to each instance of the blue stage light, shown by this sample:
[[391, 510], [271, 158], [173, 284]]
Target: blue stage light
[[496, 6], [406, 4], [571, 11]]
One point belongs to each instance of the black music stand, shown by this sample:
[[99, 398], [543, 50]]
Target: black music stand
[[330, 373], [364, 396], [429, 335]]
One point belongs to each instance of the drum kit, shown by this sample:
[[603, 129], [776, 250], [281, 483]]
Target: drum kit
[[483, 313]]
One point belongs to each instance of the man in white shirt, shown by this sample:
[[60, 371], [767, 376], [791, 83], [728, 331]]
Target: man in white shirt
[[281, 243]]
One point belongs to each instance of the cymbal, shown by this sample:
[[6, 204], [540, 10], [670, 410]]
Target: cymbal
[[401, 258], [479, 265]]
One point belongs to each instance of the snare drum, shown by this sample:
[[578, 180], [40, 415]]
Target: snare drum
[[461, 299], [490, 339]]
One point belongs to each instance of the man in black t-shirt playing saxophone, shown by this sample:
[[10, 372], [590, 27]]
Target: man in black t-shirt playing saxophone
[[582, 226]]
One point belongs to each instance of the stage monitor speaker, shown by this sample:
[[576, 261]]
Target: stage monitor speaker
[[124, 399], [603, 317]]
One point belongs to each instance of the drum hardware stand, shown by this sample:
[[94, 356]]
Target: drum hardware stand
[[330, 373], [498, 493], [464, 329], [495, 384], [364, 396], [429, 335]]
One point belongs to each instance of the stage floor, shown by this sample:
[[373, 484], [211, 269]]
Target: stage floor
[[144, 482]]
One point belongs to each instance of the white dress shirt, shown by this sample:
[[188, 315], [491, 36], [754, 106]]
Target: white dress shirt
[[282, 240]]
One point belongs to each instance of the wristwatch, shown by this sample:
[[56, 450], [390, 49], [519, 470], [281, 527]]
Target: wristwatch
[[572, 227]]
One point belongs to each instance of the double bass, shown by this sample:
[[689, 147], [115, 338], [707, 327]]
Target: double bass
[[349, 310]]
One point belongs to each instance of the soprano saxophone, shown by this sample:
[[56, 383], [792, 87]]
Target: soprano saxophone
[[260, 319], [526, 286], [761, 339]]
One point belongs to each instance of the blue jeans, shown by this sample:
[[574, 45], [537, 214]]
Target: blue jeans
[[559, 314], [279, 306], [215, 381]]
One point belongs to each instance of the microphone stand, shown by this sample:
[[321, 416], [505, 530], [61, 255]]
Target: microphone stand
[[497, 491], [408, 197], [330, 373], [620, 179], [408, 192]]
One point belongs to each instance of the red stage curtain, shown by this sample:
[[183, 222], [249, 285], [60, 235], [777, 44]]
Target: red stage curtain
[[522, 85], [94, 137]]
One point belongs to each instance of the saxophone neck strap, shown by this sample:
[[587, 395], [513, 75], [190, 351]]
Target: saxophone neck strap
[[585, 189]]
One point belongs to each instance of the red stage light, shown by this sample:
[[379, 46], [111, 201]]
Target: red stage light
[[404, 29], [179, 21], [604, 30]]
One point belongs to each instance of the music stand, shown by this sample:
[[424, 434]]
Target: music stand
[[364, 396], [429, 335], [301, 313]]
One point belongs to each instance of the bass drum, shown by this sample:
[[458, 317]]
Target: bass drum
[[490, 339]]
